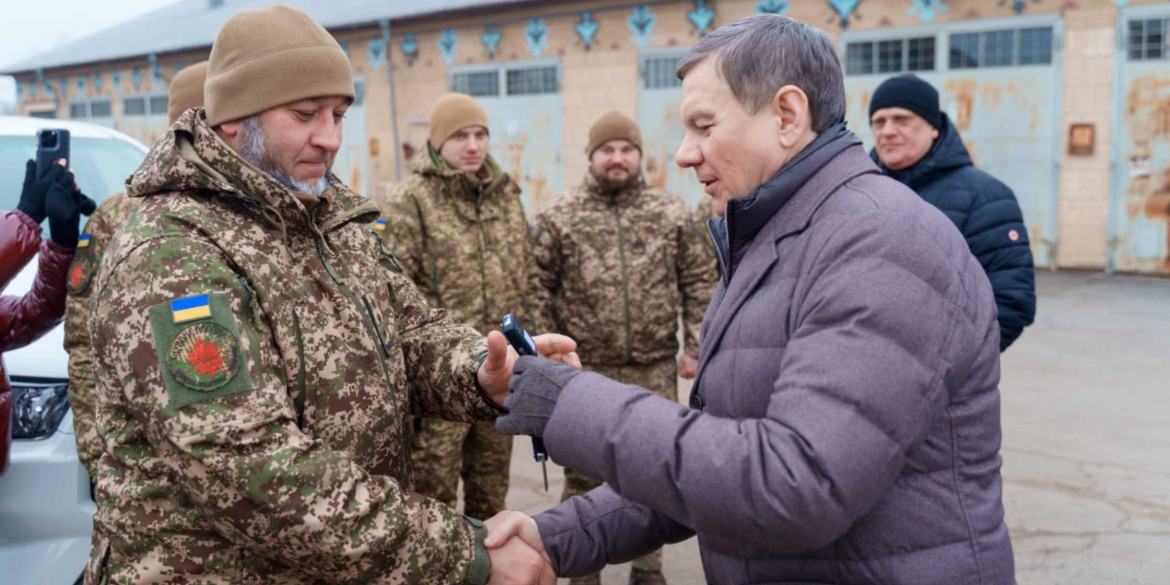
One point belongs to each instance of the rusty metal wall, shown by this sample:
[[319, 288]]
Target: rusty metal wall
[[1008, 117], [352, 162], [1140, 199], [662, 130]]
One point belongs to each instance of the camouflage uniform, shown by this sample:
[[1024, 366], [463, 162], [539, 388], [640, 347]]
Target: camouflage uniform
[[98, 231], [259, 433], [616, 269], [705, 209], [464, 241]]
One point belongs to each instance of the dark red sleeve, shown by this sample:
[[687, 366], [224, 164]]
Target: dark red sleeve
[[24, 319], [20, 237]]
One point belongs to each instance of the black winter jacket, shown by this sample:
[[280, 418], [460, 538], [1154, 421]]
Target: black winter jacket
[[989, 217]]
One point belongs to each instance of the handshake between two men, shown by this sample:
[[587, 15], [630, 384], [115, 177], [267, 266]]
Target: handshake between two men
[[513, 540]]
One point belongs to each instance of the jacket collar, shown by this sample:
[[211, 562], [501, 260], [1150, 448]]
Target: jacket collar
[[744, 218], [946, 154]]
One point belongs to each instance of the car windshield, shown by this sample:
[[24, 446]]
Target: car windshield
[[100, 165]]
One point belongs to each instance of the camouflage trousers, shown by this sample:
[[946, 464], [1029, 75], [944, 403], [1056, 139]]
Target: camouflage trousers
[[659, 377], [443, 452]]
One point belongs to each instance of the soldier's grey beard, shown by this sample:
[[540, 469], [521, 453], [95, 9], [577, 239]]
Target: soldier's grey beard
[[255, 151]]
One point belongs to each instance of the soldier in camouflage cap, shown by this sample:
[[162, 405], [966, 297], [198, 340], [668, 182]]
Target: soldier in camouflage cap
[[186, 92], [259, 353], [618, 260], [458, 226]]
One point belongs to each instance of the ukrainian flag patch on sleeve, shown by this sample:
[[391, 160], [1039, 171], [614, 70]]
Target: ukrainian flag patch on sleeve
[[197, 341], [380, 225], [190, 309], [83, 241]]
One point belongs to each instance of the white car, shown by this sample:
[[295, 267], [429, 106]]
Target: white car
[[46, 507]]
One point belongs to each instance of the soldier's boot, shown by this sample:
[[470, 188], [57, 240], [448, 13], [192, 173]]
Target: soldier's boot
[[594, 579], [646, 577]]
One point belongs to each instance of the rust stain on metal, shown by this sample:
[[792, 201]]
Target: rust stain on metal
[[992, 94], [964, 91], [1147, 119], [1148, 107], [655, 172], [539, 192]]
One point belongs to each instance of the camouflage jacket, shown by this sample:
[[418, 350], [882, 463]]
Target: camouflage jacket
[[616, 270], [465, 242], [98, 231], [257, 364]]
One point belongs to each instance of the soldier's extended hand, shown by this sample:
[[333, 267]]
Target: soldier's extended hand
[[496, 370]]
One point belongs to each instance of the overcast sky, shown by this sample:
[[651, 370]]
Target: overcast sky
[[28, 27]]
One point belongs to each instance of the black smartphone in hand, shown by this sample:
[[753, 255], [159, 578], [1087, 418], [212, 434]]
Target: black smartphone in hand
[[52, 146]]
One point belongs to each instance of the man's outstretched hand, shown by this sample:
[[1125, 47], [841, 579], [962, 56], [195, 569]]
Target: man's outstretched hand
[[516, 551], [496, 370]]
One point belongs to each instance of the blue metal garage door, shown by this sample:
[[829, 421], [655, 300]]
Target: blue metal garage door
[[1140, 202], [999, 82]]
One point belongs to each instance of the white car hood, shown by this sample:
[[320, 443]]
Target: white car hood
[[45, 357]]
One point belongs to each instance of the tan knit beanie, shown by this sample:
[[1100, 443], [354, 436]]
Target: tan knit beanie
[[614, 126], [269, 57], [187, 90], [452, 113]]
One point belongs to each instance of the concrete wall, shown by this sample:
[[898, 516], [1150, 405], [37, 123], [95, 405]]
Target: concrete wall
[[606, 77]]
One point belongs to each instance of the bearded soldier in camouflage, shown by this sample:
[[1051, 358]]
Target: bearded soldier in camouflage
[[259, 353], [618, 260], [458, 226], [186, 93]]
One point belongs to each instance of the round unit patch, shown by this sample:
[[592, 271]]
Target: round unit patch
[[204, 357], [79, 275], [1013, 235]]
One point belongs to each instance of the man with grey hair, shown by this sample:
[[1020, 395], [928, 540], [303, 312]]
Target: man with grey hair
[[844, 423]]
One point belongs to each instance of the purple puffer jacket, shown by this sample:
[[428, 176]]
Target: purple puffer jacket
[[845, 427]]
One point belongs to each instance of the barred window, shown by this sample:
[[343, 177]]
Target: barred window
[[658, 73], [134, 106], [965, 51], [532, 80], [889, 56], [1146, 39], [78, 110], [477, 83], [920, 54], [998, 48], [101, 108], [859, 58], [1035, 46], [158, 104], [1001, 48]]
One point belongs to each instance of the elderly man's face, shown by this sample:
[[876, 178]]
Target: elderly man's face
[[295, 143], [466, 150], [901, 137], [731, 150], [616, 164]]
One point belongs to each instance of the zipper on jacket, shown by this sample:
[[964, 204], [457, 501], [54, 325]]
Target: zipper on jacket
[[300, 398], [435, 282], [483, 273], [722, 261], [625, 283], [371, 329]]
